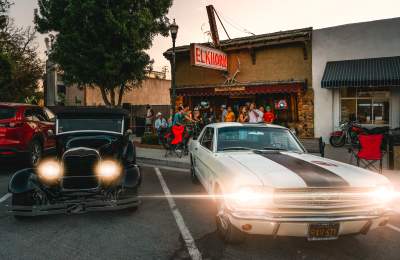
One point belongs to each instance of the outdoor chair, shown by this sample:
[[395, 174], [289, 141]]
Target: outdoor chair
[[370, 151]]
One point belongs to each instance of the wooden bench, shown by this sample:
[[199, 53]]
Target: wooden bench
[[314, 145]]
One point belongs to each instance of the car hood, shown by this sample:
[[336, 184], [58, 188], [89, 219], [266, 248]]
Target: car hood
[[293, 170]]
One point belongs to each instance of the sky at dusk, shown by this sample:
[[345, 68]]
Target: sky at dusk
[[256, 16]]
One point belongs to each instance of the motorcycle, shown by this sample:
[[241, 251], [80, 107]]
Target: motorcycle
[[349, 131]]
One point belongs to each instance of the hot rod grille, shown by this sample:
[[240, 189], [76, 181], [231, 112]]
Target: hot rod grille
[[79, 171]]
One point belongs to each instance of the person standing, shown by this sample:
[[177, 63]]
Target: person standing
[[269, 116], [230, 115], [255, 115], [149, 118], [244, 115], [211, 116], [161, 126], [224, 112]]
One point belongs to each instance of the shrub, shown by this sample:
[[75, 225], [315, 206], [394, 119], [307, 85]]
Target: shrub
[[150, 139]]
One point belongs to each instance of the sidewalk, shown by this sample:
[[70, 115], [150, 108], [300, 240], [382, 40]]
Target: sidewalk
[[157, 157]]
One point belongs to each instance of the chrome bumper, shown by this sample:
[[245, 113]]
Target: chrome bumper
[[242, 215], [74, 207]]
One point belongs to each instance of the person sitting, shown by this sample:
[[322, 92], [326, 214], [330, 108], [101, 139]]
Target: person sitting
[[230, 115], [178, 117]]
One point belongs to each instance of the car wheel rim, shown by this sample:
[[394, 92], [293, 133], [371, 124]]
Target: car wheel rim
[[36, 154]]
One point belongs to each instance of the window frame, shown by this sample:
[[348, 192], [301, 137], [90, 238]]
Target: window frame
[[211, 148], [357, 98]]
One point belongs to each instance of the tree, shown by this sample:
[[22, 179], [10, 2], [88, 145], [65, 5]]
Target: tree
[[20, 67], [102, 43]]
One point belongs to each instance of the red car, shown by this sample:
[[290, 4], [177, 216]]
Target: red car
[[26, 131]]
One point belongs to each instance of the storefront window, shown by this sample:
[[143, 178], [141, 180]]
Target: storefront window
[[365, 105]]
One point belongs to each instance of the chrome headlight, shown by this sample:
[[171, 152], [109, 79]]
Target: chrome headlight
[[251, 198], [50, 171], [108, 170], [383, 194]]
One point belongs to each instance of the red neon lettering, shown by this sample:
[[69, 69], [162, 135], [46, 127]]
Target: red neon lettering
[[197, 55]]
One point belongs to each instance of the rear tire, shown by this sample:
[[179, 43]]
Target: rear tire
[[337, 141], [193, 176]]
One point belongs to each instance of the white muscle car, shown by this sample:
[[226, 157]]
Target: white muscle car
[[264, 182]]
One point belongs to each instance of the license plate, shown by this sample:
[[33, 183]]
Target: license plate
[[323, 231]]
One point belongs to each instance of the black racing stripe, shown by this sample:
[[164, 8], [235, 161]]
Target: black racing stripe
[[313, 175]]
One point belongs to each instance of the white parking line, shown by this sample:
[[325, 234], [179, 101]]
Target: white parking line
[[187, 237], [165, 167], [393, 227], [5, 197]]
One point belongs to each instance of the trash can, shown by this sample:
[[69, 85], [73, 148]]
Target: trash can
[[139, 126], [394, 149]]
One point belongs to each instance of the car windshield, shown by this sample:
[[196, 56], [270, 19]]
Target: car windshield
[[85, 124], [7, 113], [255, 137]]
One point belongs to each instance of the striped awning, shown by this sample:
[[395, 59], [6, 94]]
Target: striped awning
[[374, 72]]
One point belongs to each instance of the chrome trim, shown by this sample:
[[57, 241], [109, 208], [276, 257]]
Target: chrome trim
[[308, 219]]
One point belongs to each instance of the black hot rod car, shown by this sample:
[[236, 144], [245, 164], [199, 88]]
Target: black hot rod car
[[94, 168]]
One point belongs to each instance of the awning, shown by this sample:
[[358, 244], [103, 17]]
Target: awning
[[374, 72], [240, 89]]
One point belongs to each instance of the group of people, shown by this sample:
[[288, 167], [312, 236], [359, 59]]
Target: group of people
[[195, 120], [248, 113]]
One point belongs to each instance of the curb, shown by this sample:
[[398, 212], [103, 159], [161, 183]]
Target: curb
[[160, 162]]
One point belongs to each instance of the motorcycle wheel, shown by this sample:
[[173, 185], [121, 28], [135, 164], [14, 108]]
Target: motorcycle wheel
[[337, 141]]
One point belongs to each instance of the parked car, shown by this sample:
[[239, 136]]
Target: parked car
[[264, 182], [94, 170], [26, 131]]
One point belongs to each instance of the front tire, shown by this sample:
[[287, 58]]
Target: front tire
[[22, 199], [225, 229]]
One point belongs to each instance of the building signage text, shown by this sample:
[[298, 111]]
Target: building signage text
[[206, 57]]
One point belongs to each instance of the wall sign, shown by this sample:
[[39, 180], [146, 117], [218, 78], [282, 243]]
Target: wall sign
[[207, 57], [281, 105], [227, 89]]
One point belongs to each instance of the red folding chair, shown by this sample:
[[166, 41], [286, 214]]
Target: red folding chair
[[370, 151]]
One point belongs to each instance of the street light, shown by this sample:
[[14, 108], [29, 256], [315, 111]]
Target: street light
[[173, 28]]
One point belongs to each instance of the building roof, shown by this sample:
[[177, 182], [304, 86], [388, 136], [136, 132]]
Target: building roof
[[376, 72], [281, 37]]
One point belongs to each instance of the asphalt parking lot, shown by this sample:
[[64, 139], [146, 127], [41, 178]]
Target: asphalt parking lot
[[166, 228]]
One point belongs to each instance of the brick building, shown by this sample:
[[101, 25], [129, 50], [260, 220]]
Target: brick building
[[265, 69]]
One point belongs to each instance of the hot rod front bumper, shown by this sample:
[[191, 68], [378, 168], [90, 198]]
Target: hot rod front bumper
[[75, 207]]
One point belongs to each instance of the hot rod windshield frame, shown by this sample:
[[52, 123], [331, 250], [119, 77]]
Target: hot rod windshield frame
[[111, 125]]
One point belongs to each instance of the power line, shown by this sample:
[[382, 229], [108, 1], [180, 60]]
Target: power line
[[235, 25]]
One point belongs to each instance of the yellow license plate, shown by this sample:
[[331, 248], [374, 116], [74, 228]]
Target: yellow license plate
[[323, 231]]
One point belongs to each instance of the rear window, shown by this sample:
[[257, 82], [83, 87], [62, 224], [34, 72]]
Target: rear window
[[7, 113]]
